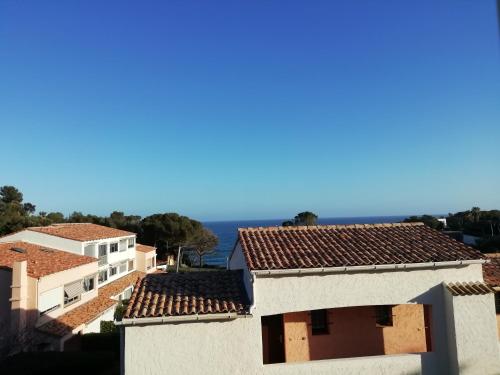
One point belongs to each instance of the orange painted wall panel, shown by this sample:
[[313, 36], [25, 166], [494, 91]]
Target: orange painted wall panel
[[353, 333]]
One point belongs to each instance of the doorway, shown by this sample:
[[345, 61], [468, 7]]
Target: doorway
[[273, 350]]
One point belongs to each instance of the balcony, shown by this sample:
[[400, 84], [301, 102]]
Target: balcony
[[103, 260]]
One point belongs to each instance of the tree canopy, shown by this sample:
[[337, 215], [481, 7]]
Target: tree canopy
[[166, 231], [302, 218]]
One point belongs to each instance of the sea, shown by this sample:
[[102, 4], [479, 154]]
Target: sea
[[227, 231]]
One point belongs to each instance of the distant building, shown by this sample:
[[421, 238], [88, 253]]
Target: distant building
[[375, 299], [62, 280]]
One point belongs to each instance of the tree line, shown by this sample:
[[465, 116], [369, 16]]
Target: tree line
[[165, 231]]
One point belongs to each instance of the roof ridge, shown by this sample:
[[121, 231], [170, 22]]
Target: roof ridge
[[329, 226]]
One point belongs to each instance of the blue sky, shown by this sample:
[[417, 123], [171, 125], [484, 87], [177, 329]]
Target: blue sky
[[251, 109]]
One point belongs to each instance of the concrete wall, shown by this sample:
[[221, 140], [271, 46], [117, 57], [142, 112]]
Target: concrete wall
[[352, 332], [236, 346], [95, 325], [62, 278], [238, 262], [142, 261], [45, 240], [472, 330]]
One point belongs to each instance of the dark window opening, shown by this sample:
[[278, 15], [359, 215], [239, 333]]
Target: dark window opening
[[497, 302], [319, 322], [384, 316], [273, 348]]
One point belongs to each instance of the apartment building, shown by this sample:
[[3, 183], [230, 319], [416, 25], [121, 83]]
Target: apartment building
[[62, 280]]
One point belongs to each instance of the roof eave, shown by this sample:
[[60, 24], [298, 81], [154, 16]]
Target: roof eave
[[181, 319], [375, 267]]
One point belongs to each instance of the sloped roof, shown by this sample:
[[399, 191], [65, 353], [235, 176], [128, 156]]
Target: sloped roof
[[468, 288], [89, 311], [491, 270], [349, 245], [144, 248], [176, 294], [41, 260], [81, 231]]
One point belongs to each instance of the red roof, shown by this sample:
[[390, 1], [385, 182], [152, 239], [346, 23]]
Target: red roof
[[89, 311], [175, 294], [81, 231], [41, 260], [349, 245], [144, 248], [491, 270]]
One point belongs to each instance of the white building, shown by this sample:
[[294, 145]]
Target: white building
[[374, 299], [67, 278]]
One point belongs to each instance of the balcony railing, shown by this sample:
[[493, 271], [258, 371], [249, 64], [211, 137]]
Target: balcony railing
[[103, 259]]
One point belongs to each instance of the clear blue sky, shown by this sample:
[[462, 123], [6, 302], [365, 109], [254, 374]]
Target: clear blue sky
[[251, 109]]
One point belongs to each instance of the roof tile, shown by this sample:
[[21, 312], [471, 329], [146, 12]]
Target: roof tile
[[349, 245], [175, 294], [41, 260], [81, 231]]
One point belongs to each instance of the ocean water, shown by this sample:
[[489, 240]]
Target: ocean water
[[227, 231]]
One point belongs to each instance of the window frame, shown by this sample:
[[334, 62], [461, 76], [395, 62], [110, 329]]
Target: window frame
[[113, 245], [131, 242], [319, 322], [384, 316]]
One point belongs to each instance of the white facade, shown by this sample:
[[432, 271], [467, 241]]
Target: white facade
[[235, 346], [112, 265]]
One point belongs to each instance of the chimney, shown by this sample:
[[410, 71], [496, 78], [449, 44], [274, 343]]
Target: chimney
[[19, 300]]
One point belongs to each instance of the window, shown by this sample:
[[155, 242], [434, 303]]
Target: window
[[123, 245], [130, 265], [123, 267], [319, 322], [103, 276], [384, 315], [113, 247], [131, 242], [128, 293], [103, 249], [70, 300], [112, 271], [88, 283], [50, 300], [497, 302]]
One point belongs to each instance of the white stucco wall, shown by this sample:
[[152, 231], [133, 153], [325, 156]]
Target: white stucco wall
[[472, 328], [45, 240], [236, 347], [95, 325], [238, 262]]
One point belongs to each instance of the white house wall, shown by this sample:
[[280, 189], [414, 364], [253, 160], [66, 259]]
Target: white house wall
[[235, 347], [95, 325], [45, 240], [238, 262], [472, 325]]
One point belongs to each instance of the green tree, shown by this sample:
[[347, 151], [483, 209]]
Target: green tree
[[203, 243], [306, 218], [168, 231], [10, 194]]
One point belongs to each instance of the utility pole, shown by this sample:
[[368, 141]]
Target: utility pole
[[178, 258]]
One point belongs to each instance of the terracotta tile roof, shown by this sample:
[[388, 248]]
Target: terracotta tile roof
[[41, 260], [348, 245], [491, 270], [468, 288], [175, 294], [81, 231], [89, 311], [144, 248]]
